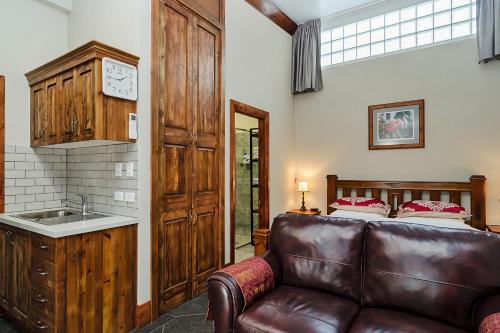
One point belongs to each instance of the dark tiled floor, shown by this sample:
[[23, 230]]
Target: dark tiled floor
[[187, 318]]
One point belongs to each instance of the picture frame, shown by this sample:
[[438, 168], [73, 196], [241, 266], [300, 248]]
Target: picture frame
[[396, 125]]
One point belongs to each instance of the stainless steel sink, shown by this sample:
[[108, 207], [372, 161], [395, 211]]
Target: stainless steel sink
[[59, 216]]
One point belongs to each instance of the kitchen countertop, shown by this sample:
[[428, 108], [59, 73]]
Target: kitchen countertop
[[67, 229]]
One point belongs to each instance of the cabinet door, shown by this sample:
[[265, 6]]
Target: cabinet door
[[206, 159], [4, 269], [85, 97], [38, 111], [174, 154], [19, 281], [68, 114], [51, 112]]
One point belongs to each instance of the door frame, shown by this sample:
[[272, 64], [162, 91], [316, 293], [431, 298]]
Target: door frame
[[263, 118]]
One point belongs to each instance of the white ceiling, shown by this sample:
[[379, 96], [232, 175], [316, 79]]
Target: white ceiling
[[303, 10]]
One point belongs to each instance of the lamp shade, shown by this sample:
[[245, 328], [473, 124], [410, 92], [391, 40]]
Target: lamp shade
[[303, 186]]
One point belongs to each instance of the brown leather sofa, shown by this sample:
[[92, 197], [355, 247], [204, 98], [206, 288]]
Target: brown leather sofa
[[340, 275]]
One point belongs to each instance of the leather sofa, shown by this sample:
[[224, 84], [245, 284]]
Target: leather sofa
[[341, 275]]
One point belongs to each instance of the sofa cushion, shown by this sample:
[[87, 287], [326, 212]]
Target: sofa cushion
[[372, 320], [439, 273], [320, 252], [290, 309]]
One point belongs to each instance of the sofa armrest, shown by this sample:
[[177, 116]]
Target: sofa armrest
[[486, 307], [226, 298]]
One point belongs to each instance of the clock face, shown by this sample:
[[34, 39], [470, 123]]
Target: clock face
[[119, 79]]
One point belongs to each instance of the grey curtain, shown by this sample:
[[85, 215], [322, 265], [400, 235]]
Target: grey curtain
[[306, 58], [488, 29]]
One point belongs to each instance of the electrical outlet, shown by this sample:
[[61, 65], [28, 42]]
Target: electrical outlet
[[118, 196], [118, 169], [129, 196], [130, 169]]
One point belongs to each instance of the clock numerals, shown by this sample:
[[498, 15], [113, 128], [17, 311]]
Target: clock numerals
[[119, 80]]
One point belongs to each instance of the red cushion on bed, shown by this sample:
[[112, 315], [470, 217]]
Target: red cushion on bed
[[437, 209], [362, 204]]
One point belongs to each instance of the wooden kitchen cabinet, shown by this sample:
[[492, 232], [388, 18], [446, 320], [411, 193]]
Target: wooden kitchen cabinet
[[14, 272], [80, 283], [67, 101]]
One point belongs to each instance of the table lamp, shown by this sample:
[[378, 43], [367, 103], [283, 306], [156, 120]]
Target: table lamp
[[303, 187]]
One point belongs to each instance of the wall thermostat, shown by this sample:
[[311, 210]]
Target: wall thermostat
[[132, 126]]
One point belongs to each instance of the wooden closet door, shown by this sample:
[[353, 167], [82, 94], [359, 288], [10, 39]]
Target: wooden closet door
[[68, 110], [175, 151], [38, 111], [206, 248]]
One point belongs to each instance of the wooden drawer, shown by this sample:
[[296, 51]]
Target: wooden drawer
[[40, 323], [43, 247], [43, 272], [43, 300]]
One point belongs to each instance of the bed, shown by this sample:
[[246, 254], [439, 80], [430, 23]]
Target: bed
[[469, 194]]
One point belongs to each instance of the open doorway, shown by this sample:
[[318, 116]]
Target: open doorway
[[249, 136]]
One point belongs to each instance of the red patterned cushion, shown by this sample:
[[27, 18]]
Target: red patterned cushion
[[432, 209], [490, 324], [254, 277], [361, 204]]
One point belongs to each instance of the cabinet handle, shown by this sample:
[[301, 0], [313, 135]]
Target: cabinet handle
[[41, 246], [9, 238], [40, 298], [40, 326], [41, 272]]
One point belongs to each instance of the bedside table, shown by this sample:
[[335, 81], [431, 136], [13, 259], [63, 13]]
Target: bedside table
[[493, 228], [303, 212]]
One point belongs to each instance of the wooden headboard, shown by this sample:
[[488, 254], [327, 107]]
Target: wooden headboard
[[399, 191]]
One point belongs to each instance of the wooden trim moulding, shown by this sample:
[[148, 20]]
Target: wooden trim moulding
[[263, 117], [272, 12], [80, 55], [142, 315]]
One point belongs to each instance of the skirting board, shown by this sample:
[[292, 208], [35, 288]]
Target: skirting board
[[142, 314]]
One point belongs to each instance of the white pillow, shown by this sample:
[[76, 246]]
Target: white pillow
[[348, 214], [436, 222]]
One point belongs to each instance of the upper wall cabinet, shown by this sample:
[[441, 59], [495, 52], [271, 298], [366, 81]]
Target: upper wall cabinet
[[85, 97], [210, 10]]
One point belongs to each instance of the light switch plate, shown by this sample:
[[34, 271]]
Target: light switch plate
[[130, 169], [118, 196], [118, 169], [129, 196]]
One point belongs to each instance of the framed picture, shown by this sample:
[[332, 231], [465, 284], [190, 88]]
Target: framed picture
[[397, 125]]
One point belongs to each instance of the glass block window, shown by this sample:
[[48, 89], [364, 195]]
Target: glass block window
[[425, 23]]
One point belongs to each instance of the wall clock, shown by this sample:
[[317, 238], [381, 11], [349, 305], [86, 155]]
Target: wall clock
[[119, 79]]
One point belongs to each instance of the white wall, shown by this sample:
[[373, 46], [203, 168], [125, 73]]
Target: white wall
[[126, 24], [31, 33], [462, 121], [258, 62]]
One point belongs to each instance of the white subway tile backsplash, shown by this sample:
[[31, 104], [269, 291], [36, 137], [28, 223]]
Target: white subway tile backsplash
[[41, 178]]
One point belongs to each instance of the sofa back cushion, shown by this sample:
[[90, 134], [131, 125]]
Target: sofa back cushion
[[438, 273], [320, 252]]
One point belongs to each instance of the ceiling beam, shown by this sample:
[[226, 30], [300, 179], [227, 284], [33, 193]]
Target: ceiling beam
[[272, 12]]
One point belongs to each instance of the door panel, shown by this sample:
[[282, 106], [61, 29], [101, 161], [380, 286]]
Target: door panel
[[173, 249], [174, 155], [20, 280], [52, 112], [205, 245], [85, 109], [68, 113], [38, 109], [5, 269]]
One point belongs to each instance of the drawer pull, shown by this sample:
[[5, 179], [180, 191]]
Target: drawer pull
[[41, 299], [42, 246], [40, 326], [41, 272]]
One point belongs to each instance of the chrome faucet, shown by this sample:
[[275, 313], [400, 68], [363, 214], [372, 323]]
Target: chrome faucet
[[84, 203]]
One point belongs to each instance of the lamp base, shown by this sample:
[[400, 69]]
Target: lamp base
[[303, 208]]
